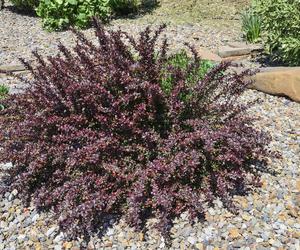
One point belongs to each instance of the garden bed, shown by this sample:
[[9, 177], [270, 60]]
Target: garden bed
[[268, 216]]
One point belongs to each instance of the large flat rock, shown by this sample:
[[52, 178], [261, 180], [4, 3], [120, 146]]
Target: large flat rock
[[283, 81], [253, 47], [12, 67], [238, 49]]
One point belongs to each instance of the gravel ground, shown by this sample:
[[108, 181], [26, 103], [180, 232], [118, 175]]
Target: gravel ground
[[20, 34], [269, 218]]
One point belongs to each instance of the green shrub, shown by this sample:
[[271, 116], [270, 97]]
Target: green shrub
[[59, 14], [281, 28], [25, 5], [251, 26]]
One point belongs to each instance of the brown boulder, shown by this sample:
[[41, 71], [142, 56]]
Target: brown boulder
[[283, 81]]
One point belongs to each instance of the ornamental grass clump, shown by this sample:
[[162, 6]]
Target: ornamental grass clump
[[251, 26], [95, 134]]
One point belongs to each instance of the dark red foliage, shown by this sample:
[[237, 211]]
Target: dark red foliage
[[95, 135]]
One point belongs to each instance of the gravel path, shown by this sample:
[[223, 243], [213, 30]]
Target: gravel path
[[269, 218]]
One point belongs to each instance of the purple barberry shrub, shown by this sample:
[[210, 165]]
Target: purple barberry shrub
[[95, 134]]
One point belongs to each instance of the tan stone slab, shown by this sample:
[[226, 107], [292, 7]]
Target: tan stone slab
[[12, 68], [24, 72], [253, 47], [233, 49], [227, 51]]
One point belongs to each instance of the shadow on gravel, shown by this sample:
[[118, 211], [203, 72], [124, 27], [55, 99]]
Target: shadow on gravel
[[147, 7], [14, 9], [266, 61]]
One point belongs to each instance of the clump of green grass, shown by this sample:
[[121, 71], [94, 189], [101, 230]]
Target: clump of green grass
[[251, 26], [4, 90]]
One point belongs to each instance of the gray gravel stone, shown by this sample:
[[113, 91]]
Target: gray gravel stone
[[51, 231], [58, 238], [192, 240], [35, 217], [58, 247]]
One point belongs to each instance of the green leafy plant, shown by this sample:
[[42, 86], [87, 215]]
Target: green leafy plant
[[25, 5], [59, 14], [251, 26], [182, 61], [4, 90], [280, 21]]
